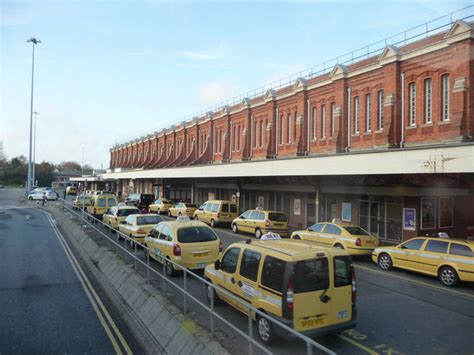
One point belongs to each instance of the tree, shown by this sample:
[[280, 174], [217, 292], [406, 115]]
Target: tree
[[87, 169], [2, 152], [69, 165], [44, 173]]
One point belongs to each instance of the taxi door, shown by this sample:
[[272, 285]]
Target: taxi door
[[246, 278], [431, 257], [164, 243], [252, 222], [327, 235], [409, 259], [226, 275], [151, 241]]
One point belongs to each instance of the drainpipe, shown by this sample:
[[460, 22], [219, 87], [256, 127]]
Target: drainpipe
[[348, 119], [252, 134], [402, 141], [231, 135], [277, 132], [308, 126]]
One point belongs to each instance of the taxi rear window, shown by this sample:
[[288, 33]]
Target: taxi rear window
[[354, 230], [125, 213], [149, 220], [196, 235], [342, 271], [277, 217], [311, 275]]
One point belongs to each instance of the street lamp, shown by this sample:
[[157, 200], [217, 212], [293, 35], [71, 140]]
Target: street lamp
[[34, 41], [34, 147]]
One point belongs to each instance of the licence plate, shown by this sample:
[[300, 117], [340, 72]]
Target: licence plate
[[202, 265], [313, 322], [200, 254]]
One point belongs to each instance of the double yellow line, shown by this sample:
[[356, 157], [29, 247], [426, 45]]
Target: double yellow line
[[115, 336]]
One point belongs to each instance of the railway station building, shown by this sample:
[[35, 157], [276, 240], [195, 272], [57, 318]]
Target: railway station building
[[385, 142]]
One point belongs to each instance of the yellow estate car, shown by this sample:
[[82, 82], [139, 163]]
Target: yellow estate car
[[214, 212], [81, 202], [451, 260], [191, 244], [356, 240], [307, 286], [182, 209], [259, 222], [161, 205], [137, 226], [118, 214]]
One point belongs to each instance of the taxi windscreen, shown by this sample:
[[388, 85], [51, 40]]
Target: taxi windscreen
[[196, 235], [149, 220]]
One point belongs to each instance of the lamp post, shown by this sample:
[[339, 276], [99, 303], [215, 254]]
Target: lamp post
[[34, 42], [34, 147]]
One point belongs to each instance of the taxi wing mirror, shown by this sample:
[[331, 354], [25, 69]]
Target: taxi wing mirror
[[217, 265]]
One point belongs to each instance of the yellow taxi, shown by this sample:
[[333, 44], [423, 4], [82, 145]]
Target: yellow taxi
[[71, 190], [304, 285], [99, 204], [354, 239], [182, 209], [81, 202], [259, 222], [160, 205], [451, 260], [214, 212], [118, 214], [137, 226], [190, 244]]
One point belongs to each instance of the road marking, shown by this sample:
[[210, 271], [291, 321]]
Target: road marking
[[359, 345], [96, 302], [444, 289]]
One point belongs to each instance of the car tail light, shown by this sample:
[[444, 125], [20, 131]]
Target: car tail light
[[220, 247], [141, 231], [358, 242], [95, 210], [218, 215], [267, 223], [176, 250], [290, 295], [354, 288], [116, 219]]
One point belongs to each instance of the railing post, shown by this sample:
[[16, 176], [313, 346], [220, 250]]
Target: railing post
[[309, 349], [135, 258], [185, 289], [250, 332], [147, 265], [163, 276], [212, 309]]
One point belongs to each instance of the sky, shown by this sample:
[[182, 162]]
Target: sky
[[110, 71]]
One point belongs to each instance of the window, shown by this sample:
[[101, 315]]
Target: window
[[111, 202], [246, 215], [356, 114], [149, 220], [342, 271], [253, 215], [412, 103], [229, 260], [380, 109], [225, 208], [437, 246], [238, 138], [255, 135], [368, 113], [214, 207], [445, 97], [282, 128], [333, 117], [260, 216], [355, 230], [311, 275], [332, 229], [315, 123], [289, 129], [233, 208], [428, 101], [262, 131], [413, 244], [166, 234], [461, 250], [101, 202], [317, 227], [196, 235], [323, 121], [272, 273], [277, 217], [249, 264]]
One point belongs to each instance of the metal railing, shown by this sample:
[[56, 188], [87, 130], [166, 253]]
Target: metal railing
[[424, 30], [122, 250]]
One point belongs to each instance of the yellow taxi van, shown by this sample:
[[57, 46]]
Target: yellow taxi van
[[259, 222], [214, 212], [354, 239], [306, 286], [71, 190], [451, 260], [190, 244], [99, 204]]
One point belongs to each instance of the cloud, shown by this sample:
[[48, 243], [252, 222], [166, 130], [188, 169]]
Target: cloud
[[213, 54], [215, 92]]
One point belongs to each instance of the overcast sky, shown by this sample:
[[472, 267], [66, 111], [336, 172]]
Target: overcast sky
[[107, 71]]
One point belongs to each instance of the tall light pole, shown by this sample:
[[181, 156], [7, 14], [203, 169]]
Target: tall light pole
[[82, 165], [34, 42], [34, 147]]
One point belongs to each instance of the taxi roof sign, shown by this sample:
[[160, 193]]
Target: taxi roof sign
[[270, 236], [183, 219]]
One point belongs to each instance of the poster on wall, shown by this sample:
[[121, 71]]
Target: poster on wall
[[428, 213], [445, 212], [297, 207], [409, 219], [346, 212]]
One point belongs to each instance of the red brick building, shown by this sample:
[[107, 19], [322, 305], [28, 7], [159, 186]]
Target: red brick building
[[377, 141]]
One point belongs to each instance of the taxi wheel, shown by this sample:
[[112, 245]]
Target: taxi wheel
[[235, 229], [30, 198], [258, 233], [170, 271], [196, 218], [448, 276], [213, 223], [297, 237], [265, 330], [212, 291], [385, 262]]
